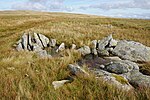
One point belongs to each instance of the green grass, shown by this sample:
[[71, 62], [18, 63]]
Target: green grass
[[26, 76]]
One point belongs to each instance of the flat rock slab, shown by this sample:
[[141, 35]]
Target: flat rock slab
[[133, 51]]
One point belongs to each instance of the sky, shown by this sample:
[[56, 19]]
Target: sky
[[112, 8]]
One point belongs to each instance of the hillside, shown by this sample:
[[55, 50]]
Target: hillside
[[26, 76]]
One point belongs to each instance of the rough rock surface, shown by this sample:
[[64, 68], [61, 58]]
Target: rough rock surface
[[58, 84], [61, 47], [121, 66], [133, 51], [85, 50]]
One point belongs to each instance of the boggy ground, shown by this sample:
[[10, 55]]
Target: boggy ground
[[26, 76]]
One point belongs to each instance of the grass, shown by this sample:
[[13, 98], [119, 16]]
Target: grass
[[26, 76]]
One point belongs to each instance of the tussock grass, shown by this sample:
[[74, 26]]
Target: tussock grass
[[26, 76]]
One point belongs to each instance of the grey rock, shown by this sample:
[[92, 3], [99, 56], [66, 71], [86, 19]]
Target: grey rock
[[43, 54], [76, 69], [52, 42], [113, 43], [122, 66], [85, 50], [133, 51], [103, 53], [37, 40], [37, 48], [121, 83], [61, 47], [104, 42], [93, 47], [45, 41], [25, 41], [58, 84], [114, 58], [19, 47], [137, 79]]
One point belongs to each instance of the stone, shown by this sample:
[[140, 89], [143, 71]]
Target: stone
[[52, 42], [121, 66], [19, 47], [58, 84], [93, 47], [113, 43], [73, 46], [29, 40], [36, 48], [117, 80], [43, 54], [37, 40], [44, 40], [76, 69], [25, 41], [114, 58], [85, 50], [104, 42], [103, 53], [133, 51], [137, 79], [61, 47]]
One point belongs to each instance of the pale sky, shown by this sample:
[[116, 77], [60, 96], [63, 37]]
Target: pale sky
[[113, 8]]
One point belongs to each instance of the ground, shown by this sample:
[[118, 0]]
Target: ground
[[26, 76]]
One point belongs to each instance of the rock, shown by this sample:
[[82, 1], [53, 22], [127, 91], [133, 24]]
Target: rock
[[113, 43], [133, 51], [103, 53], [93, 47], [41, 40], [104, 42], [61, 47], [43, 54], [19, 47], [115, 58], [58, 84], [73, 46], [114, 79], [29, 46], [44, 40], [52, 43], [85, 50], [121, 66], [137, 79], [118, 81], [76, 69], [25, 41], [36, 48]]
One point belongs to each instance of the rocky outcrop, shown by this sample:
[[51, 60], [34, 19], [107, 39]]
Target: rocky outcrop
[[131, 50], [114, 61]]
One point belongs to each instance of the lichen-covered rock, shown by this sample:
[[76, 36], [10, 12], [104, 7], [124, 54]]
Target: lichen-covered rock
[[121, 66], [25, 42], [113, 43], [137, 79], [103, 53], [85, 50], [131, 50]]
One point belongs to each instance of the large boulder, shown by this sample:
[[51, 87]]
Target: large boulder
[[131, 50], [121, 66]]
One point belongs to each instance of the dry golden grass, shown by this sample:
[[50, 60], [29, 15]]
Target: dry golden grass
[[26, 76]]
